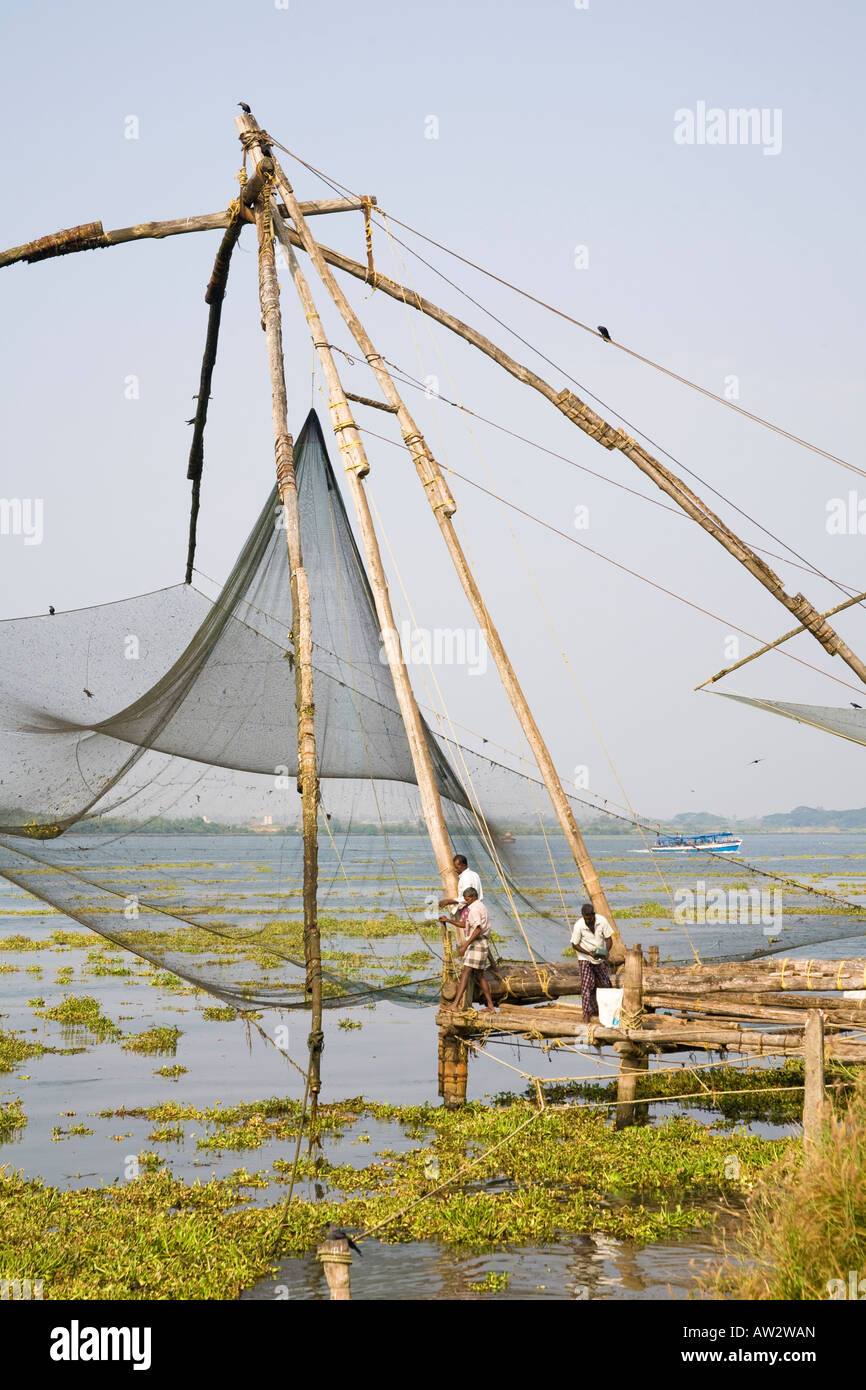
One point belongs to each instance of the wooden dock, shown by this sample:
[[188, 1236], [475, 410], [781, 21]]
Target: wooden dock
[[715, 1008]]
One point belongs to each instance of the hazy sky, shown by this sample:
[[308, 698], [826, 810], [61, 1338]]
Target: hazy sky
[[555, 131]]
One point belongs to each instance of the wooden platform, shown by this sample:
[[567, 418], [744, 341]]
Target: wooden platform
[[714, 1008]]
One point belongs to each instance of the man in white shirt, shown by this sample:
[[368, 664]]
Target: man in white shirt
[[467, 878], [476, 931], [591, 940]]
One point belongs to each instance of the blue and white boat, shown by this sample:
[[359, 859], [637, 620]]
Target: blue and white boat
[[718, 842]]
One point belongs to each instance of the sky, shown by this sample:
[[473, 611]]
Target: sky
[[560, 146]]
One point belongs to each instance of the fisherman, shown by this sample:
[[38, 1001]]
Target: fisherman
[[590, 939], [476, 935], [467, 878]]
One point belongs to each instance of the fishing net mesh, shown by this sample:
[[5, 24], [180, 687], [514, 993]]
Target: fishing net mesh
[[114, 719]]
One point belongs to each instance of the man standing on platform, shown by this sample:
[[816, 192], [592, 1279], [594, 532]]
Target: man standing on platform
[[476, 932], [467, 878], [590, 939]]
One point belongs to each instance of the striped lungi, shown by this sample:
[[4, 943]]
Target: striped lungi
[[593, 976], [475, 956]]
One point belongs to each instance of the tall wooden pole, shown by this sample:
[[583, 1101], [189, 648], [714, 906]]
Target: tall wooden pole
[[357, 467], [444, 506], [92, 235], [302, 632], [814, 1095], [634, 1061]]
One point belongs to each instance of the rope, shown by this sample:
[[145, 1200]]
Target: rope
[[368, 239], [617, 564], [336, 186], [449, 1181]]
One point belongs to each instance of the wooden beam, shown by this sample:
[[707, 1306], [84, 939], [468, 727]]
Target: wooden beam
[[91, 236], [302, 638], [357, 467], [786, 637], [610, 437], [530, 984], [443, 506]]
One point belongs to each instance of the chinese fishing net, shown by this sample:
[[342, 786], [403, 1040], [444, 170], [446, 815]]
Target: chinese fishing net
[[117, 721]]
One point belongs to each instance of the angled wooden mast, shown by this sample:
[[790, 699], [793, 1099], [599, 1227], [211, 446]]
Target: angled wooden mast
[[443, 507], [91, 236], [357, 467]]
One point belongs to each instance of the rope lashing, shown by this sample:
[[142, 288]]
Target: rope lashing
[[368, 239], [256, 139]]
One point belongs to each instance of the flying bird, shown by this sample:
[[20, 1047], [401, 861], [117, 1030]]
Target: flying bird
[[604, 333], [752, 761], [337, 1233], [88, 693], [244, 107]]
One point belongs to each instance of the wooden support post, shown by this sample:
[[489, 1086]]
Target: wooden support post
[[444, 506], [653, 955], [357, 467], [302, 639], [455, 1069], [336, 1261], [634, 1060], [814, 1096]]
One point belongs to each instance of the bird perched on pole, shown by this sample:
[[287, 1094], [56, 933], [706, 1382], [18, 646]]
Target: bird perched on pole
[[604, 333], [337, 1233], [244, 107]]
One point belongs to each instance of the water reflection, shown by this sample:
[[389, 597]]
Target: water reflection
[[579, 1267]]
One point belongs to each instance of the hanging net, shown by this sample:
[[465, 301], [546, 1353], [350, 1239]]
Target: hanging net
[[121, 722]]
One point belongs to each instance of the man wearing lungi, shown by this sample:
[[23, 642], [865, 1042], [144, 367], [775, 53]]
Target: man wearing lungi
[[590, 938], [476, 935]]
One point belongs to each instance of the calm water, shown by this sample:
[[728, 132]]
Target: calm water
[[391, 1057]]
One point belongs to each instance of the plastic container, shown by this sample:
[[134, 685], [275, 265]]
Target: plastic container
[[609, 1007]]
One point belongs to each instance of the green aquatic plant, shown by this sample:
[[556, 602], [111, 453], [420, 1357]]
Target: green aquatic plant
[[12, 1117], [14, 1049], [82, 1011], [153, 1040], [493, 1282]]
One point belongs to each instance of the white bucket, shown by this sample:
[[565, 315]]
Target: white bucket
[[609, 1007]]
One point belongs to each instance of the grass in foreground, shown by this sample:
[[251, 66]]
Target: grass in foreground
[[565, 1172], [805, 1224]]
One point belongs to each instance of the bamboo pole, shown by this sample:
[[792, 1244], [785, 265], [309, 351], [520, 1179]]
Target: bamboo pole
[[336, 1260], [443, 506], [302, 637], [550, 980], [809, 619], [770, 646], [91, 236], [611, 438], [357, 467]]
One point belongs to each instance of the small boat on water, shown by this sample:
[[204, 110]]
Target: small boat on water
[[717, 842]]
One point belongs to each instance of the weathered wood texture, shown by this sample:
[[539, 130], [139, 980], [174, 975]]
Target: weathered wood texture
[[529, 984], [357, 467], [302, 638], [442, 503], [91, 236], [814, 1095]]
